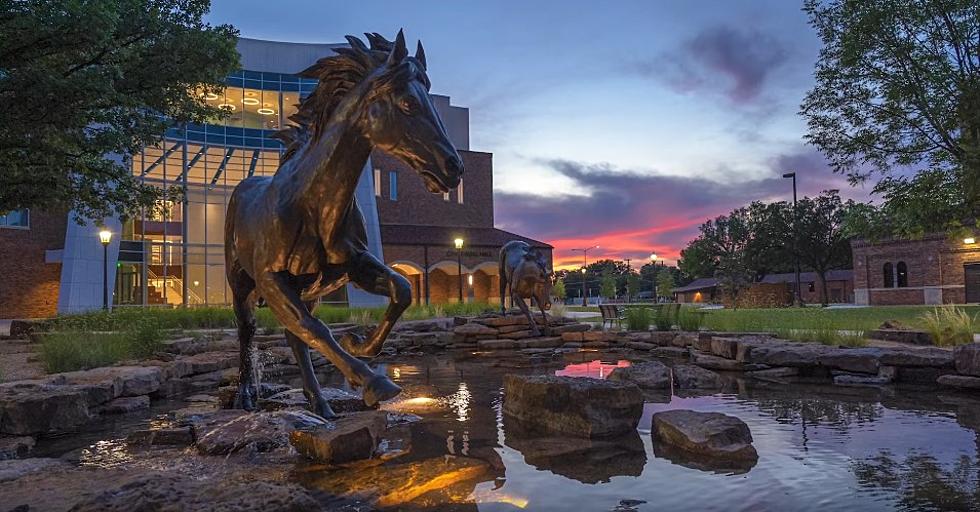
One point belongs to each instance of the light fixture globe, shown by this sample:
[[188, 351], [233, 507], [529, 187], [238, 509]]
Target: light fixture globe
[[105, 236], [969, 240], [653, 257], [458, 243]]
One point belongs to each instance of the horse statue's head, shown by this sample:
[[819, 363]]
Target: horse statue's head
[[544, 278], [385, 91]]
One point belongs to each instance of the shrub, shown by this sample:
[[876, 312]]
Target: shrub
[[639, 319], [663, 318], [558, 310], [690, 319], [949, 326]]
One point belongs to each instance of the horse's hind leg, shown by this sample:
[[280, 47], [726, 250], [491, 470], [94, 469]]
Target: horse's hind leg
[[243, 302], [515, 298], [311, 387]]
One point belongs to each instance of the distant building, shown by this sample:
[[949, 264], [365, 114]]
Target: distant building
[[931, 270], [840, 287]]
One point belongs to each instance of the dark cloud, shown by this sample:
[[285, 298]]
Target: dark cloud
[[630, 213], [733, 61]]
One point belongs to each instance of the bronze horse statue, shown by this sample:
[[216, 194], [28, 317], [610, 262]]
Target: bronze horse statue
[[524, 274], [298, 235]]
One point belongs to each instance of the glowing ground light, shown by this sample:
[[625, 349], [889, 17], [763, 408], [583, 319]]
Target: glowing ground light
[[485, 496]]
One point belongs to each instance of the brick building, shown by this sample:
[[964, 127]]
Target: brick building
[[175, 257], [777, 289], [933, 270]]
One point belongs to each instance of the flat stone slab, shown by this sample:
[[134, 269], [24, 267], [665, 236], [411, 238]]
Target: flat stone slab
[[348, 438], [31, 407], [959, 381], [967, 359], [14, 469], [125, 405], [646, 375], [575, 406], [689, 376], [709, 434], [253, 432], [340, 400]]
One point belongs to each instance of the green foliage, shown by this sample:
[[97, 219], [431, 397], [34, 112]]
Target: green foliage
[[898, 87], [690, 319], [558, 290], [85, 79], [697, 260], [633, 283], [664, 317], [665, 284], [950, 326], [607, 286], [726, 239], [80, 347], [639, 319]]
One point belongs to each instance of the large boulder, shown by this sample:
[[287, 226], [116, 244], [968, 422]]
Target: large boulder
[[689, 376], [120, 380], [340, 400], [28, 408], [348, 438], [707, 434], [252, 432], [575, 406], [646, 375], [967, 359]]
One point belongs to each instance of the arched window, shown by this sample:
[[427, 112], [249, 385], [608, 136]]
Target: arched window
[[889, 275], [903, 274]]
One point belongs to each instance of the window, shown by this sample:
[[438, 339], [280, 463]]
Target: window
[[445, 196], [811, 287], [16, 219], [459, 192], [888, 274], [903, 274], [393, 186], [377, 182]]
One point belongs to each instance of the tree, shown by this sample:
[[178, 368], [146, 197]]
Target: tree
[[665, 284], [633, 284], [697, 260], [607, 286], [726, 239], [81, 81], [558, 290], [898, 88]]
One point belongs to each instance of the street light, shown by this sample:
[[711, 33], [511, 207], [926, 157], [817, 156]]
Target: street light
[[105, 236], [585, 261], [459, 265], [796, 252]]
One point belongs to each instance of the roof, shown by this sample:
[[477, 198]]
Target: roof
[[698, 284], [809, 277], [404, 234]]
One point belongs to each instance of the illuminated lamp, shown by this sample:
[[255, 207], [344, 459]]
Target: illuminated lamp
[[266, 111], [227, 106], [250, 101], [969, 240], [210, 96]]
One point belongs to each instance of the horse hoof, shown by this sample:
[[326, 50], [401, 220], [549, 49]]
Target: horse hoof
[[322, 409], [379, 389]]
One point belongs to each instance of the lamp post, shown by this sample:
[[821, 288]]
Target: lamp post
[[459, 265], [105, 236], [796, 253], [629, 273], [585, 263]]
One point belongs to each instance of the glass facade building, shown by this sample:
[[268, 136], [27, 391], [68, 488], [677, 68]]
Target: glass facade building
[[174, 255]]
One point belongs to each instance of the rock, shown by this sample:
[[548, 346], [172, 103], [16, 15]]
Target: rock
[[689, 376], [167, 436], [572, 345], [782, 354], [860, 360], [967, 359], [499, 344], [901, 336], [562, 329], [703, 342], [722, 364], [257, 432], [28, 407], [701, 462], [517, 335], [774, 374], [588, 336], [662, 338], [931, 357], [122, 380], [684, 339], [646, 375], [708, 434], [16, 447], [501, 321], [575, 337], [207, 362], [475, 329], [340, 400], [575, 406], [959, 381], [639, 345], [348, 438], [724, 347], [125, 405], [670, 352], [158, 491], [14, 469], [860, 380], [546, 342]]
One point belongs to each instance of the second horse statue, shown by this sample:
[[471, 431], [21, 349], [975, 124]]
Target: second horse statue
[[524, 274], [299, 235]]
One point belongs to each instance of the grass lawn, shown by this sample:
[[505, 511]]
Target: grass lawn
[[856, 319]]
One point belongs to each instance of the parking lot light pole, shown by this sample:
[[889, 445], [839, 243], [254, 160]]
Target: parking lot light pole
[[585, 263], [459, 265]]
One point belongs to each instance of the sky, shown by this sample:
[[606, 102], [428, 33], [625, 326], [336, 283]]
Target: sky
[[621, 124]]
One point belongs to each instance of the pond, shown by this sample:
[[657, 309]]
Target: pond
[[820, 447]]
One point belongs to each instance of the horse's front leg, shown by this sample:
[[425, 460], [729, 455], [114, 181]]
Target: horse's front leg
[[283, 298], [375, 277], [516, 298]]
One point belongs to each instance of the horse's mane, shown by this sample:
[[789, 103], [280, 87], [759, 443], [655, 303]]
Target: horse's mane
[[337, 75]]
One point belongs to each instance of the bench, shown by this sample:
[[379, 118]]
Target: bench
[[611, 313]]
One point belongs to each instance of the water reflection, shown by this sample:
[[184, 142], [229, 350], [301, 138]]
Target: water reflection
[[921, 482], [701, 463]]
